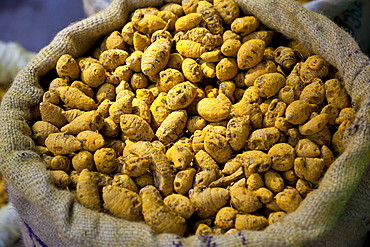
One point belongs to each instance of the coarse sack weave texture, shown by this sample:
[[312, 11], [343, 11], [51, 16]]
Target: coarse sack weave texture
[[337, 214]]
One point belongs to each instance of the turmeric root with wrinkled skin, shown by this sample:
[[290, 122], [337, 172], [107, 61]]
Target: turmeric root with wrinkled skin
[[212, 110], [298, 112], [174, 8], [276, 216], [237, 132], [211, 17], [170, 18], [93, 74], [306, 148], [86, 89], [245, 25], [244, 200], [209, 170], [285, 56], [288, 199], [250, 222], [135, 128], [138, 81], [67, 67], [263, 139], [225, 181], [282, 156], [71, 114], [336, 93], [190, 49], [203, 229], [83, 160], [75, 98], [314, 67], [250, 53], [228, 34], [127, 33], [181, 95], [273, 181], [111, 59], [208, 201], [52, 113], [159, 110], [254, 182], [226, 69], [60, 178], [105, 92], [158, 215], [41, 130], [304, 187], [169, 78], [105, 160], [140, 108], [124, 181], [133, 166], [180, 204], [172, 127], [87, 191], [101, 179], [183, 181], [51, 97], [269, 84], [188, 22], [313, 93], [217, 145], [192, 70], [155, 57], [211, 56], [208, 69], [253, 161], [121, 73], [122, 202], [228, 10], [309, 169], [110, 128], [147, 23], [162, 171], [180, 156], [91, 120], [225, 218], [61, 162], [121, 106], [275, 109], [91, 141], [62, 143], [114, 41]]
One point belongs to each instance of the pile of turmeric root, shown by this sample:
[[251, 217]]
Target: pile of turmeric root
[[192, 119], [3, 191]]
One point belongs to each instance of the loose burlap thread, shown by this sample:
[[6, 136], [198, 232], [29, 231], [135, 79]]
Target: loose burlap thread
[[337, 214]]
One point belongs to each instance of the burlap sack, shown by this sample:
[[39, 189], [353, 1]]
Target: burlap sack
[[338, 214]]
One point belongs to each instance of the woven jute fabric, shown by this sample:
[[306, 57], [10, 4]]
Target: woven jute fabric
[[337, 214]]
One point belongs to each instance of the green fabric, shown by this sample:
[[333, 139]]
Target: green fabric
[[337, 213]]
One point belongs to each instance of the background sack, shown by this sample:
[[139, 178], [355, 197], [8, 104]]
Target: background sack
[[352, 15], [337, 214], [13, 57]]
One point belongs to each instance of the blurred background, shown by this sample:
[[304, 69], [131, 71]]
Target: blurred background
[[33, 23]]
